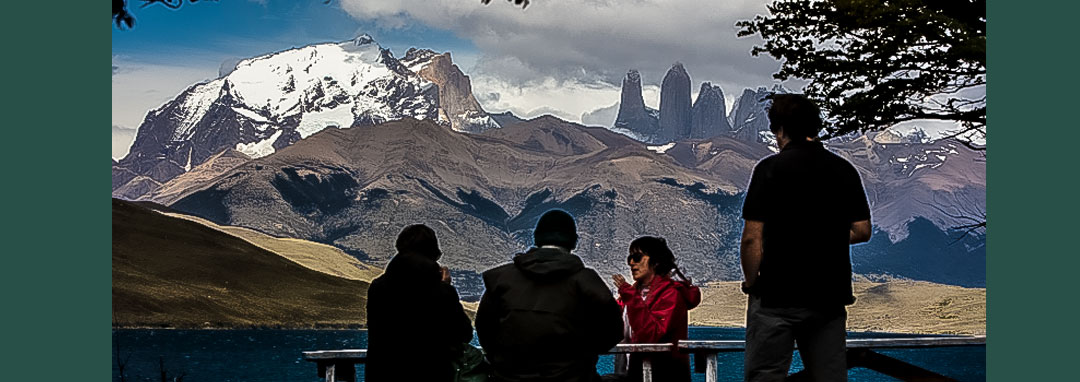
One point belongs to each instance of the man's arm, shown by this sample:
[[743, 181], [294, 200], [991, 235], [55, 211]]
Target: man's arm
[[487, 316], [458, 326], [860, 233], [604, 318], [751, 251]]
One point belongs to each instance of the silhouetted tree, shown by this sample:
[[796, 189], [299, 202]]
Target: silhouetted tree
[[873, 63], [523, 3], [123, 17]]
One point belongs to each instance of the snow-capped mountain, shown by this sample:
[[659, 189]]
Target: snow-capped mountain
[[272, 101]]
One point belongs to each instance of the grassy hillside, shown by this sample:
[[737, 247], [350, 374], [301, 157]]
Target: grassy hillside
[[180, 271], [170, 272], [895, 306], [317, 256]]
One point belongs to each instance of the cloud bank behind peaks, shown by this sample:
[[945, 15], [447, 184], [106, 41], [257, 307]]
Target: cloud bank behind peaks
[[585, 47]]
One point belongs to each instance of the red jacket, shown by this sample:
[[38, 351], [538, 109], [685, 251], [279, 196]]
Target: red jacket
[[661, 318]]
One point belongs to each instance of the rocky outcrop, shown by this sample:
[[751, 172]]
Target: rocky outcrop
[[675, 103], [749, 118], [707, 118], [456, 101], [634, 118]]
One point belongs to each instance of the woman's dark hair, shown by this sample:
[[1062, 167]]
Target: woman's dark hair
[[660, 255], [797, 115]]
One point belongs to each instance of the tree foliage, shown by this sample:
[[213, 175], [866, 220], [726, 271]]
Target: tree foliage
[[874, 63], [523, 3], [123, 17]]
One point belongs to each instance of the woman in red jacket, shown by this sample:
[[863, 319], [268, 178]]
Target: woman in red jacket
[[656, 307]]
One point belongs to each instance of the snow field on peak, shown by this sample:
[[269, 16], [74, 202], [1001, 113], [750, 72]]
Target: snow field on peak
[[195, 106], [259, 149], [313, 122], [303, 70], [250, 115]]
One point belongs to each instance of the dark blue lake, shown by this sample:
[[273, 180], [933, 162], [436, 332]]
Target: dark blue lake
[[274, 355]]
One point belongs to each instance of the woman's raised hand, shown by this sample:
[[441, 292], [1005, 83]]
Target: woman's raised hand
[[619, 280]]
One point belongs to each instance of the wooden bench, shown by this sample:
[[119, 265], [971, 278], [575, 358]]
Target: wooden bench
[[340, 365]]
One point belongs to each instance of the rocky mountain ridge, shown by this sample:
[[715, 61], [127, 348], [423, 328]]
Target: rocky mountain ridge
[[456, 101], [272, 101], [355, 188], [705, 118]]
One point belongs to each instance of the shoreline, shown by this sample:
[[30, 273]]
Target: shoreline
[[362, 328]]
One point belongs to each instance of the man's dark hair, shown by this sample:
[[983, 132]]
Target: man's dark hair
[[660, 255], [418, 239], [797, 115], [556, 227]]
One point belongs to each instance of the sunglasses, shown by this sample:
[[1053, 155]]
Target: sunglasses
[[634, 257]]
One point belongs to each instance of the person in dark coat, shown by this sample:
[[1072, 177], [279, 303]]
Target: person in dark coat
[[415, 319], [656, 307], [545, 317]]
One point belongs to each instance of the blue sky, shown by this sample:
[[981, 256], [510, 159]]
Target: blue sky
[[218, 30]]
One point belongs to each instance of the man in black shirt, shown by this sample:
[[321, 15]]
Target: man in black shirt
[[804, 207]]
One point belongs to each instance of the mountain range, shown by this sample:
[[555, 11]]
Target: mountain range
[[272, 101], [410, 144]]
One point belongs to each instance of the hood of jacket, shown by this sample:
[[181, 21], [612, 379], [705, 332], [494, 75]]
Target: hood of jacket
[[548, 263], [690, 294], [414, 268]]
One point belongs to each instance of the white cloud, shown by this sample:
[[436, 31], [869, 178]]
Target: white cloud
[[569, 56], [567, 99], [121, 141], [604, 116]]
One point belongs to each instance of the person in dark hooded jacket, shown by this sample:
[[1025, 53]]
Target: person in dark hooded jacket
[[656, 307], [415, 319], [545, 317]]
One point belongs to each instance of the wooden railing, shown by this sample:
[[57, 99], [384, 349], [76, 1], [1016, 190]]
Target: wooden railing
[[340, 365]]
